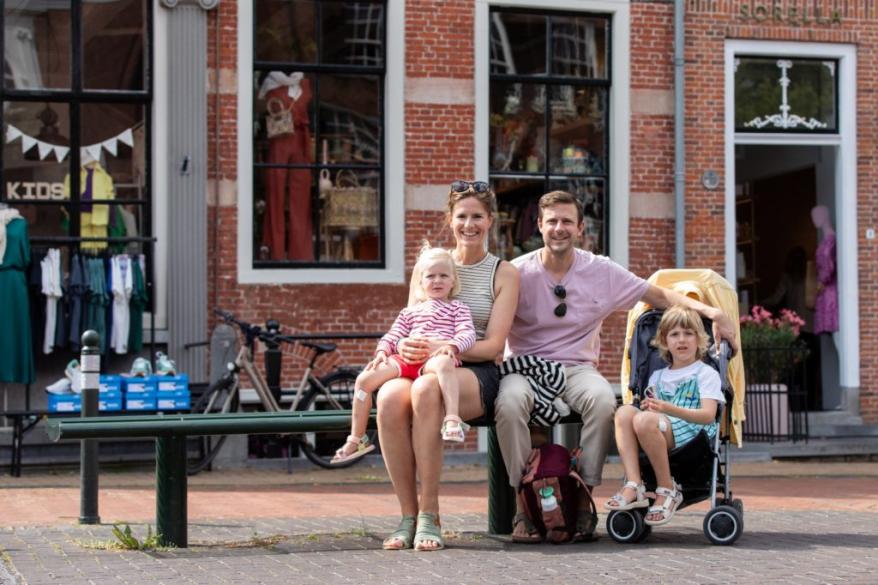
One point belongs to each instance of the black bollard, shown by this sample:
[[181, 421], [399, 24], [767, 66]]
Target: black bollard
[[90, 365]]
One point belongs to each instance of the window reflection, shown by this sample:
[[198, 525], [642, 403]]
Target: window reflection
[[518, 127], [113, 28], [285, 31], [353, 33], [36, 44]]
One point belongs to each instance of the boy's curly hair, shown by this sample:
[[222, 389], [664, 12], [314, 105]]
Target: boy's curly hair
[[678, 316]]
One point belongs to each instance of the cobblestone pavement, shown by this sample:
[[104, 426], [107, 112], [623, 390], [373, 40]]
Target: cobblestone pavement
[[777, 547], [814, 523]]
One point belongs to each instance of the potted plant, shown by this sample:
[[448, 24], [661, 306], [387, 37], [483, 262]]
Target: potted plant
[[771, 343]]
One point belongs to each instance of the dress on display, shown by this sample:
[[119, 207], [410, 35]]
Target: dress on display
[[16, 349], [826, 303], [288, 191]]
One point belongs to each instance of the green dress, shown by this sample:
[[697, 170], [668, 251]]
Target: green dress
[[16, 350]]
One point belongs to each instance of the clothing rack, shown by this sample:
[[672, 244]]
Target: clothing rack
[[149, 254]]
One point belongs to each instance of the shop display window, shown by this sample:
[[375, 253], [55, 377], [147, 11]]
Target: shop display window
[[548, 131], [76, 117], [318, 89], [779, 94]]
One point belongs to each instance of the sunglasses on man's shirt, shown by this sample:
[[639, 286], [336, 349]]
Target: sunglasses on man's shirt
[[561, 293]]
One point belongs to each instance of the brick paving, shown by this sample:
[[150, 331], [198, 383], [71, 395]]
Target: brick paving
[[801, 526]]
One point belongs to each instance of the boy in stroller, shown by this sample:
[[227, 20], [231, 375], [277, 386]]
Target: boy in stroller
[[680, 401]]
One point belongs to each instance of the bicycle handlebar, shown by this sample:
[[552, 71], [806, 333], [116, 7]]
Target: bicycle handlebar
[[269, 337]]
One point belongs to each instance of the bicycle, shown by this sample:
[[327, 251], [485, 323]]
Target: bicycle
[[334, 391]]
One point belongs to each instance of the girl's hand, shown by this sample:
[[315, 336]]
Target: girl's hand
[[446, 349], [414, 350], [379, 360]]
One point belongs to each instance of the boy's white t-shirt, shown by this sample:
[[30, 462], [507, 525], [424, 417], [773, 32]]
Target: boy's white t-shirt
[[709, 384]]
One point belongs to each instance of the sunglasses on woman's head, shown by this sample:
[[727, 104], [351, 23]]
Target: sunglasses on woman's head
[[464, 186], [561, 293]]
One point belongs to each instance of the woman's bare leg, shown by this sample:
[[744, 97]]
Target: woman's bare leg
[[395, 434], [427, 443]]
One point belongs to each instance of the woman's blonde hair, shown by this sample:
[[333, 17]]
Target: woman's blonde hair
[[678, 316], [427, 257]]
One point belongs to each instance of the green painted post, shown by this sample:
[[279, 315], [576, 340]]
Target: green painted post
[[90, 370], [501, 496], [170, 491]]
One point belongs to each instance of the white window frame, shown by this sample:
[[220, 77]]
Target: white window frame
[[619, 96], [845, 177], [394, 167]]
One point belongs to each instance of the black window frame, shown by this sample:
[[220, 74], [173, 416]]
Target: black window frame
[[549, 80], [75, 97], [318, 68]]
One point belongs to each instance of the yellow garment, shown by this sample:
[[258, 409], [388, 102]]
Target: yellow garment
[[711, 289], [93, 224]]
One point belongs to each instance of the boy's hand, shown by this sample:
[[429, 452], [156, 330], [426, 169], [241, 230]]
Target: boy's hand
[[654, 405]]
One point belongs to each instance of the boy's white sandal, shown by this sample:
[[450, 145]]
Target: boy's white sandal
[[363, 446], [673, 499], [618, 501]]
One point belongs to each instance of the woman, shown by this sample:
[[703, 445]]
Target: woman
[[410, 413]]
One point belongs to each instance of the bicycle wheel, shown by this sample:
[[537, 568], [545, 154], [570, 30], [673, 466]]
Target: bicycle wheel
[[222, 396], [320, 447]]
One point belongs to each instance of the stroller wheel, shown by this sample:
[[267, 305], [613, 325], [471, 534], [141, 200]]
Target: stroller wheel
[[723, 525], [626, 526], [739, 506]]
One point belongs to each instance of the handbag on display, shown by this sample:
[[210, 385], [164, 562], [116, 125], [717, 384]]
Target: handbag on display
[[347, 204], [279, 118]]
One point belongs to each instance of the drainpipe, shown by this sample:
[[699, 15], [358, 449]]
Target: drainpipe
[[679, 137]]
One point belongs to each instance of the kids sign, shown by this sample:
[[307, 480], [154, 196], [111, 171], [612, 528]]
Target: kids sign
[[778, 12]]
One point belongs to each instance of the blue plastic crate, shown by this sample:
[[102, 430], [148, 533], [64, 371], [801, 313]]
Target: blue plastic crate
[[135, 401], [111, 383], [177, 383], [139, 385], [110, 401], [64, 402], [174, 400]]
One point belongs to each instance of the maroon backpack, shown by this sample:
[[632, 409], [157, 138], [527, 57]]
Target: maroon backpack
[[551, 490]]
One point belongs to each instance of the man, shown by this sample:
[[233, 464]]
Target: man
[[565, 295]]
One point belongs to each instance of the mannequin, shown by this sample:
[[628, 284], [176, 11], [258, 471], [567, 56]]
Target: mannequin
[[95, 184], [16, 351], [288, 191], [826, 305]]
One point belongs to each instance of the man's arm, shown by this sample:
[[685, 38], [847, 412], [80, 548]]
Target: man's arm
[[723, 327]]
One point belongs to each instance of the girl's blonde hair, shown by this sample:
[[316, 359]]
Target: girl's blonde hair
[[678, 316], [427, 257]]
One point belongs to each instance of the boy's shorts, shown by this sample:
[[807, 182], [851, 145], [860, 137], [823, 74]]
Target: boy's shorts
[[407, 370]]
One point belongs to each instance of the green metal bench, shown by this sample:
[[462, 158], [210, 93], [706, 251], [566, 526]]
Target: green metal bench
[[171, 432]]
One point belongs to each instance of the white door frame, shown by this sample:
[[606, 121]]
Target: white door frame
[[845, 178]]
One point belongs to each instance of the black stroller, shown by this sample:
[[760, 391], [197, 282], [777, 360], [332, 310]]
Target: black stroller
[[701, 466]]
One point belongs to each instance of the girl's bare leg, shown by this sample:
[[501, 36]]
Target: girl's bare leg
[[443, 366], [366, 385]]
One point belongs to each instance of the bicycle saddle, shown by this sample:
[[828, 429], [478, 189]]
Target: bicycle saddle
[[320, 348]]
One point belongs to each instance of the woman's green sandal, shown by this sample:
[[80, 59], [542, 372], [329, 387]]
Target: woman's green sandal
[[404, 533], [429, 531]]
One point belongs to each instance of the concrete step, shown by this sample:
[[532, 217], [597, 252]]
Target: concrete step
[[842, 430], [833, 417]]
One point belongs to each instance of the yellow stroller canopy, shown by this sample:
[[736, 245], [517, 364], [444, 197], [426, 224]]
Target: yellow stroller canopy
[[711, 289]]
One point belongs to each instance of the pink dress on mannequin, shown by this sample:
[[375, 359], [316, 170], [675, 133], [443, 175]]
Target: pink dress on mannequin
[[826, 303]]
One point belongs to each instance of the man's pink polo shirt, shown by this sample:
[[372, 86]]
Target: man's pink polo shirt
[[596, 286]]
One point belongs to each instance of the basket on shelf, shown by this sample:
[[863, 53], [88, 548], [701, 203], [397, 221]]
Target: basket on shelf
[[346, 203]]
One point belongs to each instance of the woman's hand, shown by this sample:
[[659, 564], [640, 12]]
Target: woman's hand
[[414, 350], [379, 360], [446, 349]]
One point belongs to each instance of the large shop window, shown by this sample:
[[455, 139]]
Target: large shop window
[[318, 143], [76, 102], [779, 94], [549, 89]]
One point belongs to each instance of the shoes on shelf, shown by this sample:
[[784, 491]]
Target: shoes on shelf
[[141, 368], [164, 366], [74, 373], [62, 386]]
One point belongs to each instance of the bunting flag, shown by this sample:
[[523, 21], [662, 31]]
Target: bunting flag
[[45, 149]]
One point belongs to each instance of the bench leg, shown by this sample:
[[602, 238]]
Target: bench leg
[[501, 496], [171, 491]]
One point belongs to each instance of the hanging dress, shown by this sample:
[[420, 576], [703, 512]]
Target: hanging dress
[[826, 303], [16, 345]]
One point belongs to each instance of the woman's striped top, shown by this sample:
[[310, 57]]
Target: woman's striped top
[[477, 290]]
